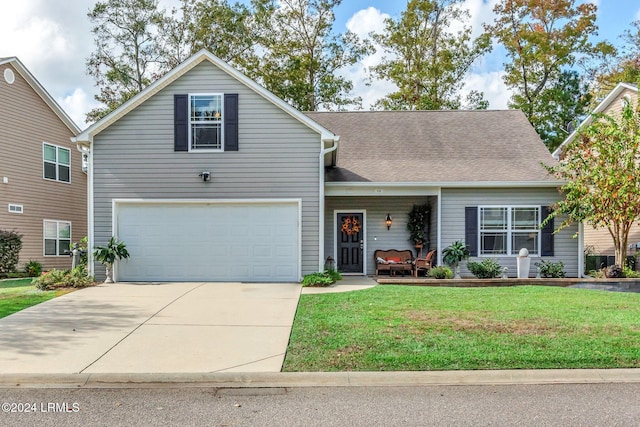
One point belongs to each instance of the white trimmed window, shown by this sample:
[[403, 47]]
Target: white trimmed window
[[57, 163], [57, 238], [504, 230], [17, 209], [205, 121]]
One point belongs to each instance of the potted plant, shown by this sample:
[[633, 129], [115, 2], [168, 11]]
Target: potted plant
[[417, 224], [454, 254], [107, 255]]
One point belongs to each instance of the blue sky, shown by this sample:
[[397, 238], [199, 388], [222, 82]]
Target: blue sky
[[54, 42]]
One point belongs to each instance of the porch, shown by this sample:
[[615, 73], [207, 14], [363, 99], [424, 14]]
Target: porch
[[353, 246]]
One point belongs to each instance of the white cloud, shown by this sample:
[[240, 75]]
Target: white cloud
[[362, 23], [53, 42], [77, 105], [480, 11], [493, 87]]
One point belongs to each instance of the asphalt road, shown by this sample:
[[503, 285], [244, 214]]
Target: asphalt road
[[505, 405]]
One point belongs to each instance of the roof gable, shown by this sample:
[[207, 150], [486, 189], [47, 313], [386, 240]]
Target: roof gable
[[436, 147], [41, 92], [603, 106], [87, 135]]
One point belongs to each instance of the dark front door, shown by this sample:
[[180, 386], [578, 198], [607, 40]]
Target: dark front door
[[350, 245]]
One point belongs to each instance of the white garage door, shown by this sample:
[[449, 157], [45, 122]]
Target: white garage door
[[210, 241]]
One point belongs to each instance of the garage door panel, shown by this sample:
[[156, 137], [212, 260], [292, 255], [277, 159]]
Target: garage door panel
[[209, 241]]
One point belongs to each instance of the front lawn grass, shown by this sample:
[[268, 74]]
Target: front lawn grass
[[406, 328], [18, 294]]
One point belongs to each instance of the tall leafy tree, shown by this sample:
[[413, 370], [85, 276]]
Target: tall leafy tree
[[126, 57], [602, 170], [227, 30], [559, 108], [301, 55], [542, 38], [426, 59], [621, 66]]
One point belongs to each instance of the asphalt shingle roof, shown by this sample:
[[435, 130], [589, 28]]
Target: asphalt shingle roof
[[435, 146]]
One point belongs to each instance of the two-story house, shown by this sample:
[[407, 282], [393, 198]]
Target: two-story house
[[598, 241], [206, 175], [43, 189]]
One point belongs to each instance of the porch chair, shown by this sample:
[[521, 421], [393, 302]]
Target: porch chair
[[425, 263]]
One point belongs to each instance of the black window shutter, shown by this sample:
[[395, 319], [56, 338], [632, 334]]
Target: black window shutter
[[471, 229], [180, 122], [231, 122], [547, 233]]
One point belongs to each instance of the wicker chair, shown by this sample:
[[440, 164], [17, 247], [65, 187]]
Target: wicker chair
[[425, 263]]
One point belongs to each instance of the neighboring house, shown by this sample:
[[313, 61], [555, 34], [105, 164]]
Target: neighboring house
[[598, 241], [206, 175], [43, 190]]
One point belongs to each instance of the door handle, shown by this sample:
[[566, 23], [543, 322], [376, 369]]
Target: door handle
[[361, 245]]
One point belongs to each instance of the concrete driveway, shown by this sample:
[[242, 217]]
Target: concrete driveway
[[153, 328]]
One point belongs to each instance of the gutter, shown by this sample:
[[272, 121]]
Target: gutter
[[321, 203]]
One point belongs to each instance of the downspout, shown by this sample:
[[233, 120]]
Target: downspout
[[321, 203], [439, 228], [84, 148], [581, 249]]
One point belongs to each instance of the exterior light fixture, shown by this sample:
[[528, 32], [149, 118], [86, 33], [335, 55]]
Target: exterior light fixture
[[388, 221], [205, 176]]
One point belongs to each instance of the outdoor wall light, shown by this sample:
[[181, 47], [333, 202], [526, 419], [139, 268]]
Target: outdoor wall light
[[388, 222], [205, 176]]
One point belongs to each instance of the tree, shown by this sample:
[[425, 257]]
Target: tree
[[542, 38], [126, 58], [302, 56], [620, 66], [427, 60], [602, 171], [560, 107], [225, 30]]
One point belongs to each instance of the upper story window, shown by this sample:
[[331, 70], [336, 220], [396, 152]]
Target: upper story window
[[57, 238], [504, 230], [205, 122], [57, 163]]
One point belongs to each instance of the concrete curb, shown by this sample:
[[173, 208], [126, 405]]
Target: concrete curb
[[321, 379]]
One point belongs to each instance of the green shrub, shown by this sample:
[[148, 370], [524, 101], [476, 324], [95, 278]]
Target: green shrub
[[441, 272], [334, 274], [596, 274], [629, 273], [488, 268], [33, 268], [10, 246], [550, 269], [317, 279], [53, 279], [326, 278]]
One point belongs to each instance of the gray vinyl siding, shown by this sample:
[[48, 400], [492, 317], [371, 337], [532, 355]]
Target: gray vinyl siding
[[454, 202], [278, 158], [377, 235], [26, 121]]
